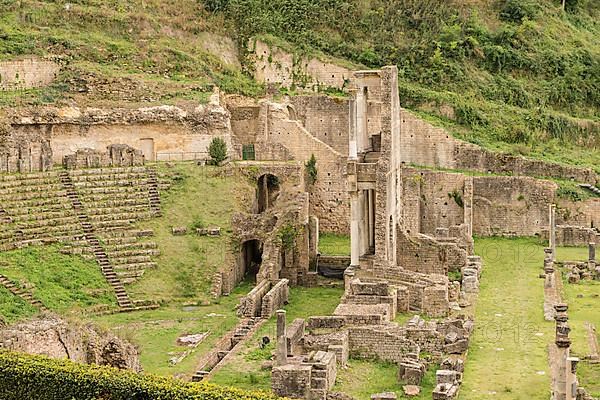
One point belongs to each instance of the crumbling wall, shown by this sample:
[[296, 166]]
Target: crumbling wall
[[36, 140], [326, 118], [273, 65], [508, 205], [328, 195], [27, 150], [427, 145], [27, 73], [116, 155]]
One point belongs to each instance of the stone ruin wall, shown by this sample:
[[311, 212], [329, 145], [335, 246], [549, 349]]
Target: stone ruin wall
[[27, 73], [501, 205], [427, 145], [511, 206], [275, 66], [328, 196], [42, 138]]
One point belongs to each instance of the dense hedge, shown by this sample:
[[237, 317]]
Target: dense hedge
[[29, 377]]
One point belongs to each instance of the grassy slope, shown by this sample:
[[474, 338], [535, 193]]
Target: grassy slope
[[148, 51], [187, 263], [61, 282], [581, 310], [507, 354], [525, 83], [155, 332]]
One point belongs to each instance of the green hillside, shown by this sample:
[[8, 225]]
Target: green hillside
[[513, 75]]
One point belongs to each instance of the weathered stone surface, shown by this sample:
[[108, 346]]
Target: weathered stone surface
[[51, 336]]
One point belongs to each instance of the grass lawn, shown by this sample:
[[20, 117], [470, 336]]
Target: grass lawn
[[581, 310], [199, 197], [155, 332], [508, 352], [244, 369], [363, 378], [332, 244], [63, 283], [14, 308]]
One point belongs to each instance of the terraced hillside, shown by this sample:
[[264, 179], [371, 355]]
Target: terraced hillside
[[513, 75]]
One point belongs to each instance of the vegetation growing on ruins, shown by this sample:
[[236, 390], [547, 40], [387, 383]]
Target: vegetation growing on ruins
[[13, 308], [155, 332], [217, 150], [187, 263], [502, 74], [245, 370], [363, 378], [311, 169]]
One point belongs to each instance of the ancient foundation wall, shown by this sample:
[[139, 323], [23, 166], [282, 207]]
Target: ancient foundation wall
[[27, 73], [383, 342]]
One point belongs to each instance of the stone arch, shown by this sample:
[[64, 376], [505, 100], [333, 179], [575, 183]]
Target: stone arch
[[267, 192]]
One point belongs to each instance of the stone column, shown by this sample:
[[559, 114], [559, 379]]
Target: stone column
[[361, 119], [592, 252], [349, 274], [352, 145], [552, 230], [468, 204], [354, 230], [563, 343], [281, 358]]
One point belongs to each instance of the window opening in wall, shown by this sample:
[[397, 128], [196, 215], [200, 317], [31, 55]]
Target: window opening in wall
[[248, 152]]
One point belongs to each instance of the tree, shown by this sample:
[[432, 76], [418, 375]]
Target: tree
[[217, 150]]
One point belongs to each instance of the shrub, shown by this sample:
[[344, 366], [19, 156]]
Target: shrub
[[517, 10], [311, 169], [24, 376], [217, 150]]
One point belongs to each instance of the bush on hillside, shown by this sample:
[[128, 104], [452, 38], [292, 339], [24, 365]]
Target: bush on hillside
[[518, 10], [217, 150]]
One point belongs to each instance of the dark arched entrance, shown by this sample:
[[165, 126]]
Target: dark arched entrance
[[251, 258], [266, 192]]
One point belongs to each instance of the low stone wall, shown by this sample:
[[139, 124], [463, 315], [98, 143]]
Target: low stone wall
[[251, 304], [384, 342], [275, 298], [574, 235], [116, 155]]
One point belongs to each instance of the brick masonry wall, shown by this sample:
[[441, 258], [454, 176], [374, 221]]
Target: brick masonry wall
[[326, 118], [27, 73], [383, 342], [328, 196], [273, 65], [507, 205], [275, 298], [427, 145]]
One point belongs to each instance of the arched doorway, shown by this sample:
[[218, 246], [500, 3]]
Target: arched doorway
[[251, 259], [267, 192]]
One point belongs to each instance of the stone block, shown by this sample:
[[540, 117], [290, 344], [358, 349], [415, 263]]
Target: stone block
[[291, 380], [458, 347], [179, 230], [384, 396]]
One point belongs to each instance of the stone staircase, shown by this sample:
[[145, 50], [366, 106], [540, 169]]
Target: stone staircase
[[20, 292], [154, 194], [591, 188], [226, 346], [101, 257]]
